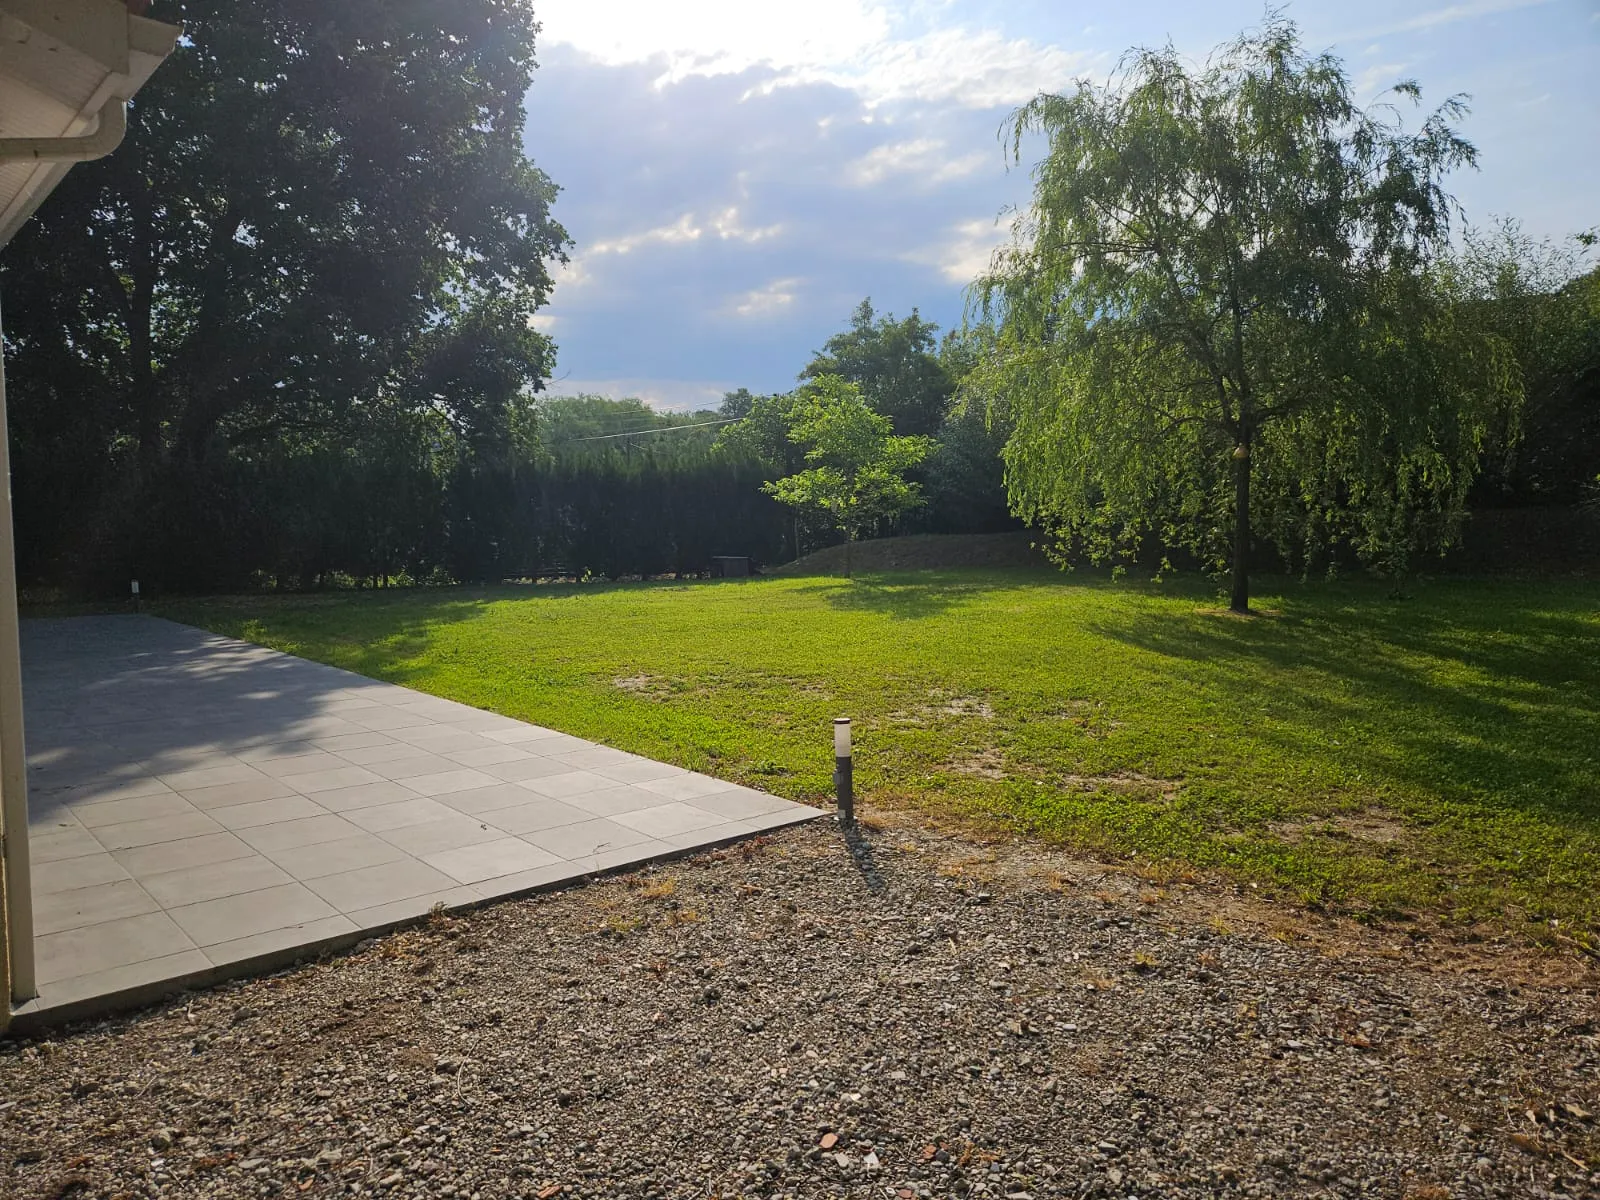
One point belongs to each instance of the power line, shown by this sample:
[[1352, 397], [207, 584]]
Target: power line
[[658, 429]]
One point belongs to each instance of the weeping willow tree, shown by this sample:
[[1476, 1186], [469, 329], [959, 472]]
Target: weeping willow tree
[[1221, 307]]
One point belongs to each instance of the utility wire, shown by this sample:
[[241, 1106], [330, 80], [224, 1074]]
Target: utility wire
[[658, 429]]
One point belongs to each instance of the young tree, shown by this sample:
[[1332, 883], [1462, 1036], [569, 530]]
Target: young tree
[[894, 364], [1222, 282], [856, 471]]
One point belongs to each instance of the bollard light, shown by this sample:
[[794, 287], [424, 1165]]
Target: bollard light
[[134, 588], [843, 771]]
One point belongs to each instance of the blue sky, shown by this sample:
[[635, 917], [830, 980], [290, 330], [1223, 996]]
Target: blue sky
[[738, 174]]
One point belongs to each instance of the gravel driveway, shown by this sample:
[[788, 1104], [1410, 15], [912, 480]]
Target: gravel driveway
[[926, 1017]]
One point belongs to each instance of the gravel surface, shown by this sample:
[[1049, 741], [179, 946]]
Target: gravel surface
[[924, 1016]]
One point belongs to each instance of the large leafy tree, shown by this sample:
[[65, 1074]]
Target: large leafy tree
[[321, 211], [1219, 304], [855, 468], [894, 364]]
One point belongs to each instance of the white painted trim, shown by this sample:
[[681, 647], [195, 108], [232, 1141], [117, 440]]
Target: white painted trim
[[13, 753]]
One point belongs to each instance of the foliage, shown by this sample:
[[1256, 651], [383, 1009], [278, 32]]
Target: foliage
[[1219, 305], [856, 466], [321, 228], [1540, 299], [895, 366], [1353, 751]]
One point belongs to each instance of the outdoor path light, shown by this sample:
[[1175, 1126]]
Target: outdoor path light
[[843, 772]]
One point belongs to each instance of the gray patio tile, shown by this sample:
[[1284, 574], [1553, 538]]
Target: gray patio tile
[[108, 944], [99, 791], [267, 812], [92, 905], [342, 743], [628, 856], [212, 881], [230, 918], [275, 751], [447, 833], [792, 815], [115, 979], [595, 758], [459, 780], [134, 808], [518, 734], [186, 852], [387, 751], [364, 795], [490, 860], [69, 873], [618, 798], [384, 817], [707, 836], [572, 783], [368, 887], [482, 721], [307, 832], [43, 823], [577, 843], [386, 718], [536, 813], [129, 834], [327, 781], [226, 772], [412, 907], [637, 770], [668, 819], [228, 794], [301, 764], [686, 787], [439, 739], [739, 804], [332, 858], [487, 755], [304, 933], [415, 763], [476, 802], [521, 770], [557, 872]]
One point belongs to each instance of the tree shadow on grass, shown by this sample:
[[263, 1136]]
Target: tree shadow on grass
[[919, 595], [1484, 699]]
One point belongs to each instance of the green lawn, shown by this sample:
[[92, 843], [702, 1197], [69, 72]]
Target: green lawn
[[1439, 753]]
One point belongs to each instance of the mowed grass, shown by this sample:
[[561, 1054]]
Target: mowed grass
[[1438, 754]]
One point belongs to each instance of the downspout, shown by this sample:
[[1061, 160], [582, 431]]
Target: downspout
[[106, 137], [15, 865]]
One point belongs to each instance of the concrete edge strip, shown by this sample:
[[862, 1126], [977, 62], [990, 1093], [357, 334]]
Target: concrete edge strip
[[33, 1018]]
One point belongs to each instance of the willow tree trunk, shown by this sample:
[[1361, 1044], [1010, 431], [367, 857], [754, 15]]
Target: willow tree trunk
[[1241, 530]]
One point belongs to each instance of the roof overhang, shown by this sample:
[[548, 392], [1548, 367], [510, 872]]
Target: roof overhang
[[67, 68]]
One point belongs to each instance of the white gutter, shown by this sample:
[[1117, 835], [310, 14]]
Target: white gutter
[[106, 137]]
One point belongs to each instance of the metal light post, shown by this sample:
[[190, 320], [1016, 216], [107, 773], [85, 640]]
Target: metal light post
[[843, 772]]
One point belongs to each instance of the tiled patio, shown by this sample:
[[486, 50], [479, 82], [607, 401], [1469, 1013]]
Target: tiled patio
[[201, 806]]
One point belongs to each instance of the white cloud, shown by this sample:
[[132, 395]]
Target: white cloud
[[855, 44], [928, 159], [965, 250], [667, 395], [767, 300], [1448, 15], [1377, 79], [716, 36], [680, 231], [724, 225], [972, 68]]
